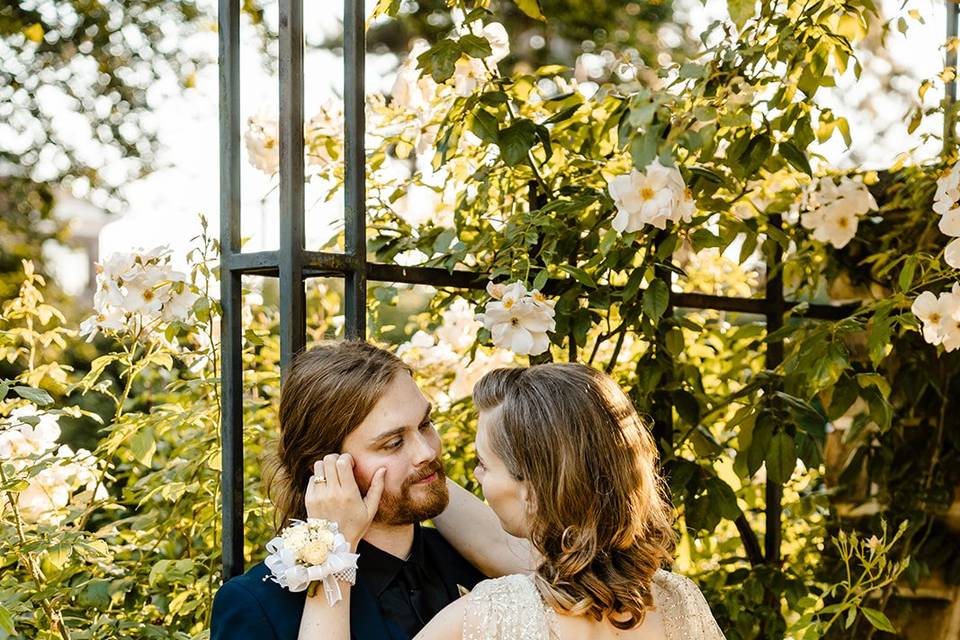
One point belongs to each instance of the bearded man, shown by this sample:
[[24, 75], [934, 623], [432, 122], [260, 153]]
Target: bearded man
[[354, 398]]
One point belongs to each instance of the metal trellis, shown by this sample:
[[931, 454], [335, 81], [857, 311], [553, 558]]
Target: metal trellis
[[293, 264]]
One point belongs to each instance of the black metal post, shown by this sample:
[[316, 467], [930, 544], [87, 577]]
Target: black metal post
[[292, 242], [950, 97], [231, 371], [773, 358], [355, 214]]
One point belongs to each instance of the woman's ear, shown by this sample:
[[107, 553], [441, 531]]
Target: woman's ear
[[528, 497]]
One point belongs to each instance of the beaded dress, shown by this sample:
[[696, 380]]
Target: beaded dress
[[511, 608]]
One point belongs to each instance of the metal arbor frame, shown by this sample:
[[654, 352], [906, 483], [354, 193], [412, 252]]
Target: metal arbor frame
[[293, 264]]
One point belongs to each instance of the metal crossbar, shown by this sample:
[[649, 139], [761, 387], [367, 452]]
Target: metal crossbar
[[293, 264]]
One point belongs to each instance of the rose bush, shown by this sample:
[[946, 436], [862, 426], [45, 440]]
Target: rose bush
[[590, 207]]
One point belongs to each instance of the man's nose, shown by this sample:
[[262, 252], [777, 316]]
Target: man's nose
[[426, 449]]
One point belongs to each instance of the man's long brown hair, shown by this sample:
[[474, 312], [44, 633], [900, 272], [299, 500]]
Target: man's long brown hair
[[601, 520], [328, 392]]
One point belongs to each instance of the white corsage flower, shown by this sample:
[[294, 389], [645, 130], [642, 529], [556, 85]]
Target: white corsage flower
[[310, 553]]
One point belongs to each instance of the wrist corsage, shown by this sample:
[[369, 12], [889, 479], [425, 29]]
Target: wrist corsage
[[308, 554]]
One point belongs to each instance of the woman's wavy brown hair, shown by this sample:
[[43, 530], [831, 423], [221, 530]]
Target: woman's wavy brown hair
[[328, 392], [601, 520]]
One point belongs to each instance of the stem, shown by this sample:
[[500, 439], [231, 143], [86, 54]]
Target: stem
[[616, 349], [927, 482], [132, 372], [31, 363], [531, 160], [55, 619]]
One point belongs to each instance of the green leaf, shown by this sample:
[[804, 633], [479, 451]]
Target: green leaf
[[440, 60], [655, 299], [724, 497], [580, 275], [475, 46], [878, 338], [781, 458], [95, 595], [97, 367], [673, 342], [516, 141], [844, 127], [143, 445], [532, 8], [759, 443], [643, 148], [707, 174], [741, 10], [164, 360], [6, 621], [796, 157], [169, 571], [15, 486], [541, 279], [562, 115], [878, 619], [748, 247], [906, 274], [690, 70], [38, 397], [544, 134], [686, 405], [485, 126], [705, 239], [386, 8]]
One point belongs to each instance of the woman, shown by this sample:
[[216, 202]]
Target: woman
[[566, 463]]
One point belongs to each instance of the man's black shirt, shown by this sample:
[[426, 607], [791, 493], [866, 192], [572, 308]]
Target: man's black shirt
[[409, 592], [252, 607]]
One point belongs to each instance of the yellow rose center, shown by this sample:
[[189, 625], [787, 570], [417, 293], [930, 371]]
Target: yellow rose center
[[647, 193]]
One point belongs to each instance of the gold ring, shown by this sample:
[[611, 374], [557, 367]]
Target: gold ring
[[319, 480]]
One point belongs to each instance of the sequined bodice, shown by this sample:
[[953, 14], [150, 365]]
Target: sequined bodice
[[511, 608]]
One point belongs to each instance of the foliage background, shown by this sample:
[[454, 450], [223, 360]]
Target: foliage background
[[144, 560]]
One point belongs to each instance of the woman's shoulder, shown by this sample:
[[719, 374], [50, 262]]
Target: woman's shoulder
[[674, 582], [507, 608], [504, 589], [682, 606]]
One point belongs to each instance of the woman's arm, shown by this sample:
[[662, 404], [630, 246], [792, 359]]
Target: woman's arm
[[446, 625], [474, 530], [336, 497], [321, 621]]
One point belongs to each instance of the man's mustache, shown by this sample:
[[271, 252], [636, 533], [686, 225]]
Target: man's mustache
[[435, 467]]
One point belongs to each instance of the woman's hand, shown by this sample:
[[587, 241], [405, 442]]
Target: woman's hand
[[336, 497]]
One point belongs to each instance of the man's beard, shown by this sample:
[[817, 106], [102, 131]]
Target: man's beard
[[403, 508]]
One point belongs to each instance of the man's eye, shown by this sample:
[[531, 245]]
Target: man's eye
[[394, 444], [426, 425]]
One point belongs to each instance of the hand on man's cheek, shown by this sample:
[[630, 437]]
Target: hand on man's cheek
[[364, 468]]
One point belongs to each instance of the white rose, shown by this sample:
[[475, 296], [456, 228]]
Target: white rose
[[520, 322]]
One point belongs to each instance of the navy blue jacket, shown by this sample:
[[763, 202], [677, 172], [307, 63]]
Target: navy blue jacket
[[248, 607]]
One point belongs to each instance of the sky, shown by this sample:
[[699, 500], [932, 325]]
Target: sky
[[164, 208]]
